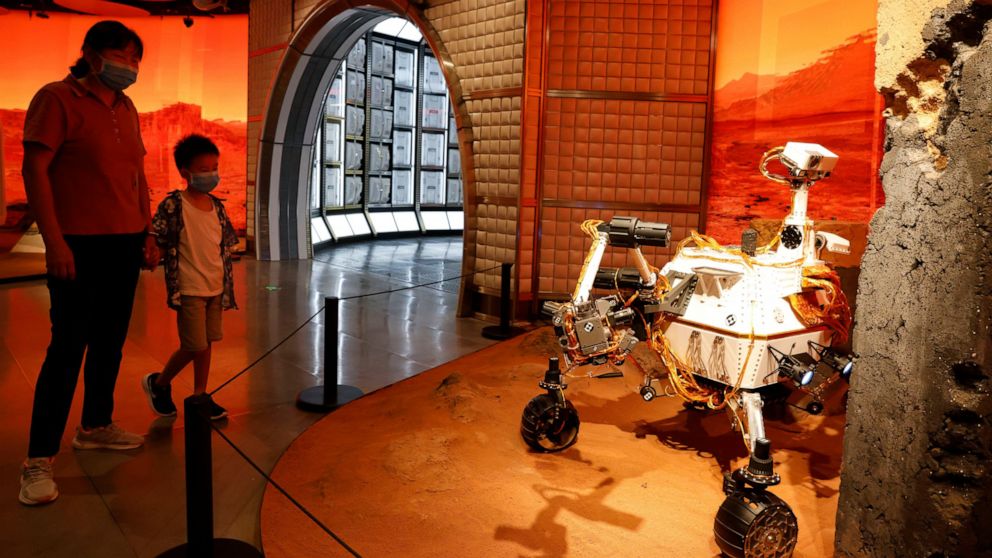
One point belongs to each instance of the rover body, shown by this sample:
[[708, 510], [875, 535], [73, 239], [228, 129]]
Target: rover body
[[733, 326]]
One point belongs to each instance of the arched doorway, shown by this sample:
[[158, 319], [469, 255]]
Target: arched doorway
[[294, 110]]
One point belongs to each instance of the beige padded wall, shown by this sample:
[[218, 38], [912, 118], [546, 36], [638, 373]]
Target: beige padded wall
[[484, 41], [496, 154]]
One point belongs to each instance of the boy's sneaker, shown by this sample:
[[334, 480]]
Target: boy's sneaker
[[107, 437], [159, 397], [216, 411], [37, 486]]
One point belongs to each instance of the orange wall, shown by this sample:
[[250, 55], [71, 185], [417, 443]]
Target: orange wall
[[624, 91], [190, 80], [794, 70]]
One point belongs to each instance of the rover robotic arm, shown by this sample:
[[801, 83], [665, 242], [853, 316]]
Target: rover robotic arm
[[602, 330]]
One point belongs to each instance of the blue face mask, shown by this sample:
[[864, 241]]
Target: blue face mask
[[117, 76], [204, 182]]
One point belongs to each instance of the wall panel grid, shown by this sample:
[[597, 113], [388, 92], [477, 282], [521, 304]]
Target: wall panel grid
[[496, 145], [270, 23], [261, 73], [496, 242], [485, 39], [635, 46], [562, 237], [624, 151]]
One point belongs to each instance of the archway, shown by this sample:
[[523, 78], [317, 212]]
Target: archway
[[292, 114]]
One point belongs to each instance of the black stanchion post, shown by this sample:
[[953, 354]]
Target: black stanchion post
[[331, 395], [199, 481], [200, 541], [504, 330]]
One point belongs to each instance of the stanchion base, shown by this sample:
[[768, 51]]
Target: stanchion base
[[498, 333], [223, 548], [312, 399]]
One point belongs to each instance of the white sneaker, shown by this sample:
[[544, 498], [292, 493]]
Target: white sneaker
[[37, 485], [111, 436]]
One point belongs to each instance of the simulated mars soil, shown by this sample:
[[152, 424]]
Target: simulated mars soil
[[434, 466]]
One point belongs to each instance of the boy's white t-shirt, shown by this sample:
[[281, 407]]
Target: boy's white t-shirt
[[201, 268]]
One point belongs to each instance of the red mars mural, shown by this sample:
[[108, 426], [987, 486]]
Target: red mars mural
[[793, 70], [191, 80]]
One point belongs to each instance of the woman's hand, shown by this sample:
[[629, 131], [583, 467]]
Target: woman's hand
[[59, 259], [151, 253]]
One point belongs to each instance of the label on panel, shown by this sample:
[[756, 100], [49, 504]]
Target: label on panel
[[335, 99], [353, 155], [376, 126], [433, 78], [434, 147], [403, 108], [404, 68], [376, 92], [356, 58], [402, 147], [355, 121], [332, 142], [387, 59], [432, 187], [454, 162], [377, 57], [379, 190], [332, 187], [356, 87], [435, 111], [402, 187], [352, 190], [454, 191], [380, 157]]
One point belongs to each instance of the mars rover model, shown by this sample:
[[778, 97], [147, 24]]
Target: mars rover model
[[734, 326]]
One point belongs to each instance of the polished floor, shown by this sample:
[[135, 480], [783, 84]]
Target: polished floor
[[131, 503]]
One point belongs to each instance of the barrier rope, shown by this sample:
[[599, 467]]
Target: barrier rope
[[317, 313], [282, 491]]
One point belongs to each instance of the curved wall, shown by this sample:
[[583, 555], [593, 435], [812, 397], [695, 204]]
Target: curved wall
[[292, 55]]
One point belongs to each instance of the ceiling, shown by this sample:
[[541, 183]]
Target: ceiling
[[113, 8]]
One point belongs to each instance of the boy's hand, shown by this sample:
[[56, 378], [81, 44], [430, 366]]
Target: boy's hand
[[151, 253]]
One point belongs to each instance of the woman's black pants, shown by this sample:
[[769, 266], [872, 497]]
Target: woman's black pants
[[90, 315]]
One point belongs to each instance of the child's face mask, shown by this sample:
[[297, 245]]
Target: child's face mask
[[117, 76], [203, 182]]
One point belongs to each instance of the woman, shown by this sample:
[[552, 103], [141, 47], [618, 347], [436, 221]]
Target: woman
[[84, 176]]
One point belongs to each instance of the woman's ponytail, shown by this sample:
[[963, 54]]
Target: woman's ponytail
[[80, 69]]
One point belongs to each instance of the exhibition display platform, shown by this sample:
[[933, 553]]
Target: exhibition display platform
[[435, 466]]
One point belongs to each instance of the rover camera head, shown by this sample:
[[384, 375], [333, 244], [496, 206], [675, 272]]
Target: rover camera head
[[808, 158], [806, 163], [799, 368], [842, 363]]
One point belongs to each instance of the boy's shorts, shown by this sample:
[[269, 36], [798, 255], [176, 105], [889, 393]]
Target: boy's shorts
[[199, 320]]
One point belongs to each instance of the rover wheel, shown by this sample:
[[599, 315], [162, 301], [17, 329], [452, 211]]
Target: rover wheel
[[755, 524], [548, 426], [648, 393], [814, 407]]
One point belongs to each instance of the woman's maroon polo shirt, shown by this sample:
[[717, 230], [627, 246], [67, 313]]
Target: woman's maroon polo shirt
[[98, 158]]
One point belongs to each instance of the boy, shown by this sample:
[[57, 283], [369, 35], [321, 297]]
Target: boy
[[196, 236]]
